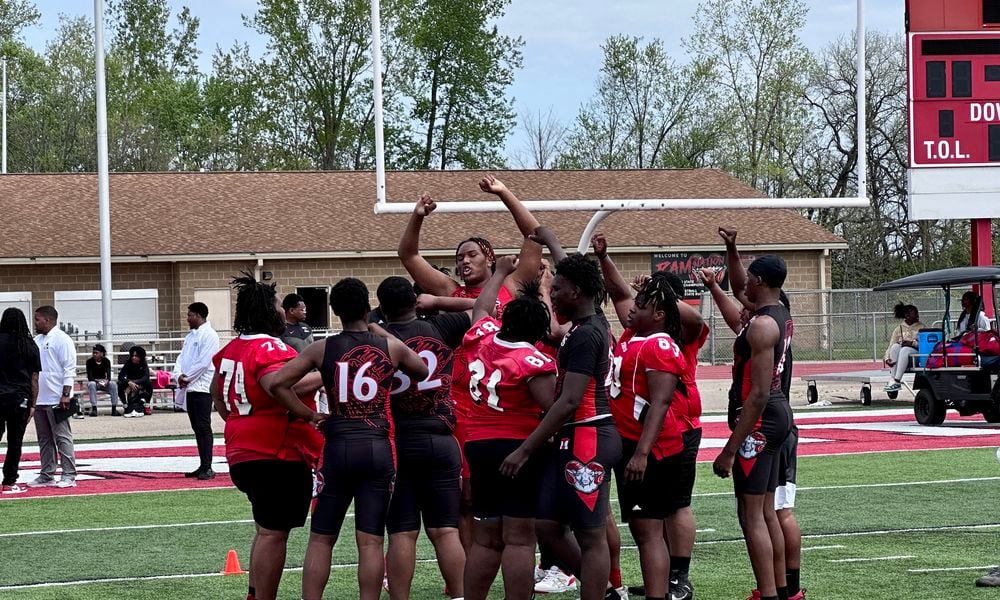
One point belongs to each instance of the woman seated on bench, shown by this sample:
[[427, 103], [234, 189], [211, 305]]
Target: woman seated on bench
[[134, 386], [902, 344]]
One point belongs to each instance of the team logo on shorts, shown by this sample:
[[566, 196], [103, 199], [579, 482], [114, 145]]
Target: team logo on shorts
[[317, 483], [753, 445], [586, 478]]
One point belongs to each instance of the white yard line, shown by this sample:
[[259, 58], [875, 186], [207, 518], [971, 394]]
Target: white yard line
[[833, 547], [949, 569], [866, 485], [871, 558]]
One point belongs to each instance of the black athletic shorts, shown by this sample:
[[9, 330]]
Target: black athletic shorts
[[279, 491], [755, 470], [358, 469], [789, 457], [667, 485], [428, 482], [494, 495], [576, 481]]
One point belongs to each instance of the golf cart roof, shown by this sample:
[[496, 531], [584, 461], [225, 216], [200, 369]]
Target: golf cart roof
[[944, 278]]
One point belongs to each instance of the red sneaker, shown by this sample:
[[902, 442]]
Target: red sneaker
[[800, 596], [755, 595]]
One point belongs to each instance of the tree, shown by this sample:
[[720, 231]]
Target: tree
[[51, 127], [642, 112], [15, 15], [760, 66], [456, 74], [544, 136], [154, 87]]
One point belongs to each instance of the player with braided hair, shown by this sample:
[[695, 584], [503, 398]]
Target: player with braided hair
[[475, 261], [575, 488], [652, 389], [271, 443], [511, 383]]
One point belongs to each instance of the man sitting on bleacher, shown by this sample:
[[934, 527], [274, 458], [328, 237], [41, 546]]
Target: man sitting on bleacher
[[99, 380]]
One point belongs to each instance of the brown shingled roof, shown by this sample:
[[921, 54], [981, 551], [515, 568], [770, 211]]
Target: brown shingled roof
[[55, 215]]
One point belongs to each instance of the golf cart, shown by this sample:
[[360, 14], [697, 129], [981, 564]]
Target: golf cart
[[965, 381]]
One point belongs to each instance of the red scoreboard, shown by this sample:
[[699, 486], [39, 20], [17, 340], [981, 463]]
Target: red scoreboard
[[954, 82]]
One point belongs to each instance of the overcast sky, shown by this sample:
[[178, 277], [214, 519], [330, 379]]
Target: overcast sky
[[562, 52]]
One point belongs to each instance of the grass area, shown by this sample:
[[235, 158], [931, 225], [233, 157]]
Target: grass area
[[832, 510]]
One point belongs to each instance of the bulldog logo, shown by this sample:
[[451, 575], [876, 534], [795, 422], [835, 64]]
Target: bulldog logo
[[318, 483], [753, 445], [586, 478]]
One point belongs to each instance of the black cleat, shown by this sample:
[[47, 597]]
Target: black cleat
[[680, 588], [205, 475]]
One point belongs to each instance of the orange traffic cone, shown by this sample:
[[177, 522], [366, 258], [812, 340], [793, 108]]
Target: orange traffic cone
[[232, 564]]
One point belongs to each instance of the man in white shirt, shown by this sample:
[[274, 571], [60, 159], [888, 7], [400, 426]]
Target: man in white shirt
[[194, 373], [55, 388]]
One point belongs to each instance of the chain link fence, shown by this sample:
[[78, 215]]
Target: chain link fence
[[837, 324]]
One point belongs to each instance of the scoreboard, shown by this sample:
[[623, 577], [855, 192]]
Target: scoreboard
[[954, 99], [953, 108]]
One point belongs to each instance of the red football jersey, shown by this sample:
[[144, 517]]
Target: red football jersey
[[502, 406], [258, 427], [503, 296], [693, 416], [460, 367], [634, 357]]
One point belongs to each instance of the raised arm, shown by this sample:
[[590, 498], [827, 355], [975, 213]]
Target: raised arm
[[426, 276], [530, 257], [546, 237], [737, 274], [487, 300], [728, 307], [618, 290]]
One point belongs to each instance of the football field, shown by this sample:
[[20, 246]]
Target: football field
[[918, 517]]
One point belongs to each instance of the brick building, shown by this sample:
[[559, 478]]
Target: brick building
[[179, 237]]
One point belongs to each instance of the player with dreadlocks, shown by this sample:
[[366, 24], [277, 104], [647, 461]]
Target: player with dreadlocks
[[575, 488], [651, 391], [475, 260], [19, 368], [271, 442], [511, 384]]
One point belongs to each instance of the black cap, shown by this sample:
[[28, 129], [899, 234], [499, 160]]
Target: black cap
[[771, 269]]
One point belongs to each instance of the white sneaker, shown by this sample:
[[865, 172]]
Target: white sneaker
[[77, 415], [66, 483], [622, 592], [128, 415], [555, 582], [138, 414], [14, 489], [540, 572]]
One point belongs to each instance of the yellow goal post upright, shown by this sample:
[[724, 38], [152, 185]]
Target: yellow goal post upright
[[605, 207]]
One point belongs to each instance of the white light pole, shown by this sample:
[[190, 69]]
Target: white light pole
[[103, 195], [3, 160]]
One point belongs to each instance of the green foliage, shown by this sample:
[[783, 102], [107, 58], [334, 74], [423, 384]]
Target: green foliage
[[644, 114], [455, 73]]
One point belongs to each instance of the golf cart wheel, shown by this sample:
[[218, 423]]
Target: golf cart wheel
[[866, 396], [892, 395], [992, 414], [927, 408], [812, 394]]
